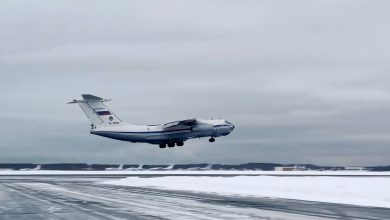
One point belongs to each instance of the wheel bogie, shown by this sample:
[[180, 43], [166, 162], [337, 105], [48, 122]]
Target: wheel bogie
[[179, 143]]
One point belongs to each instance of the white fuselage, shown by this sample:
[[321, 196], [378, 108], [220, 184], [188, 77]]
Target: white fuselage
[[157, 134]]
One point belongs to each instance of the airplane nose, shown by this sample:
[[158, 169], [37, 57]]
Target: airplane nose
[[232, 127]]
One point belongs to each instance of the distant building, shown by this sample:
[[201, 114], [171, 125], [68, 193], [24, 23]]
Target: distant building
[[294, 168], [38, 167], [356, 168], [120, 167]]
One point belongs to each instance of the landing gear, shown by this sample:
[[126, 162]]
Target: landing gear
[[172, 144], [211, 139]]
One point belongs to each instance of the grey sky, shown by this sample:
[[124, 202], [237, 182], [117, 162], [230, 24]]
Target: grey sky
[[304, 81]]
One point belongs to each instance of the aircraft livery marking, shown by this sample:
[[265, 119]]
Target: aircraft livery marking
[[104, 113]]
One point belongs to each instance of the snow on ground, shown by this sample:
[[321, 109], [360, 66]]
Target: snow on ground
[[364, 191], [193, 172]]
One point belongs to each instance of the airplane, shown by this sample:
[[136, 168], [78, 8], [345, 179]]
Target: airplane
[[106, 123]]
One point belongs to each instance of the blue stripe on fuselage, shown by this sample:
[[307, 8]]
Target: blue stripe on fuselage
[[140, 132]]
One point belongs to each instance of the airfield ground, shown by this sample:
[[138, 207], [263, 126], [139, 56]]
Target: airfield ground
[[169, 195]]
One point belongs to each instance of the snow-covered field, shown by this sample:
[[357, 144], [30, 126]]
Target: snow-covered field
[[193, 172], [346, 187], [364, 191]]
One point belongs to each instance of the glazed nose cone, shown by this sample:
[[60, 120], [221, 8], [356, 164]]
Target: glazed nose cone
[[232, 127]]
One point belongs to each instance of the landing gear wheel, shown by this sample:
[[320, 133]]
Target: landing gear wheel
[[179, 143], [171, 144], [162, 145], [212, 139]]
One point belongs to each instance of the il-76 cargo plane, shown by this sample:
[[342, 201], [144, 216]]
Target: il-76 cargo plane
[[107, 124]]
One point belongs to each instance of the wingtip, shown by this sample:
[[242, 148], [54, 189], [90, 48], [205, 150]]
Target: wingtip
[[72, 102]]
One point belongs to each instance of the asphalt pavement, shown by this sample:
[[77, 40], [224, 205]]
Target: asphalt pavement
[[67, 197]]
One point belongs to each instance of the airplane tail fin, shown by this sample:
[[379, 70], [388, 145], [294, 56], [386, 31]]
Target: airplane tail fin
[[96, 111]]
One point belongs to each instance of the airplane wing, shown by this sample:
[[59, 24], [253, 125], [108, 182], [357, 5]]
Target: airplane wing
[[184, 124]]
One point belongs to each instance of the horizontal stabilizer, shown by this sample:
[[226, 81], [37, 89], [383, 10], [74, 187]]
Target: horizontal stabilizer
[[89, 97]]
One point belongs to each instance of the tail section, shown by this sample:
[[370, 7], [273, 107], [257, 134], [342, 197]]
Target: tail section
[[96, 111]]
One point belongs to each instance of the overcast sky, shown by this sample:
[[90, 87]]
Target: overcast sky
[[303, 81]]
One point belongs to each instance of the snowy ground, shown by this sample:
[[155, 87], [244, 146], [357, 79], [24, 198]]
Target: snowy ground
[[355, 190], [193, 172], [345, 187], [211, 195]]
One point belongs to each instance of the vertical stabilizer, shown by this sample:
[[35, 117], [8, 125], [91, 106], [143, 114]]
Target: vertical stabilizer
[[96, 111]]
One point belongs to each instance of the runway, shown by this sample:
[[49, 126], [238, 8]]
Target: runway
[[67, 197]]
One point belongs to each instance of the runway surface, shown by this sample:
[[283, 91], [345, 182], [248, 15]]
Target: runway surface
[[67, 197]]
